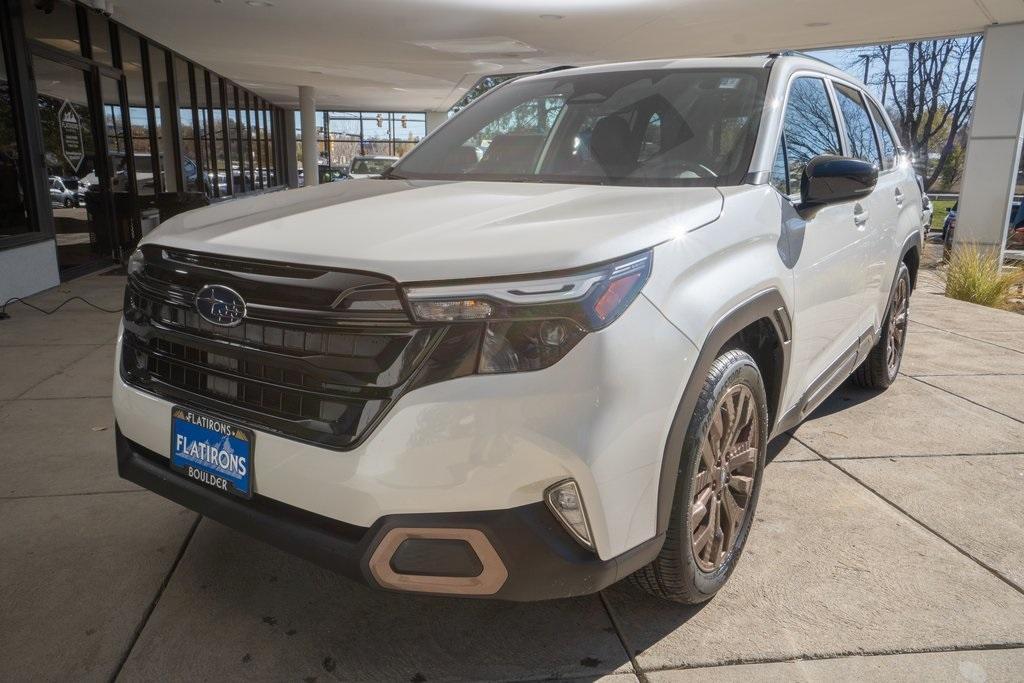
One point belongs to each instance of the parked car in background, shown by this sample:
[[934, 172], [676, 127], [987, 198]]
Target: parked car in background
[[531, 374], [61, 195], [370, 166]]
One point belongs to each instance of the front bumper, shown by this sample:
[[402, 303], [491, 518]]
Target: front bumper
[[599, 416], [540, 560]]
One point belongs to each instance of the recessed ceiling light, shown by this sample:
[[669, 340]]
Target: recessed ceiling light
[[552, 17], [817, 24], [259, 3]]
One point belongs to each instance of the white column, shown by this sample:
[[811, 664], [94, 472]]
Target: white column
[[310, 151], [994, 142], [435, 119], [166, 151], [291, 156]]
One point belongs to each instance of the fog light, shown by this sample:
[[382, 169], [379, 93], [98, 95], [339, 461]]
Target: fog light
[[565, 501]]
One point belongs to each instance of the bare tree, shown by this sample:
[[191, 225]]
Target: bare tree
[[929, 87]]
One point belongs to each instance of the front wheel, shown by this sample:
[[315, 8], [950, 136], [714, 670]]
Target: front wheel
[[717, 487], [880, 368]]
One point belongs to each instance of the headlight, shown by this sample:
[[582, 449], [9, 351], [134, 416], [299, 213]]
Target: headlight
[[531, 324], [135, 262]]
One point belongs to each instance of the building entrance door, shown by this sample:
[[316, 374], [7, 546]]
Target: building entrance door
[[77, 164]]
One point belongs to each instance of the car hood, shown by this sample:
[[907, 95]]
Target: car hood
[[436, 230]]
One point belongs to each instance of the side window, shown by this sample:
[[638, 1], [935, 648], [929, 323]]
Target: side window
[[889, 146], [780, 177], [809, 129], [859, 129]]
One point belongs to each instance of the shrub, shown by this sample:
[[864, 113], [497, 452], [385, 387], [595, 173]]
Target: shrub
[[976, 275]]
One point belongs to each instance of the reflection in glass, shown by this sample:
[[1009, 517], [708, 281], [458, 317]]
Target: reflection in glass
[[220, 137], [81, 213], [858, 126], [138, 118], [161, 165], [809, 126], [14, 218]]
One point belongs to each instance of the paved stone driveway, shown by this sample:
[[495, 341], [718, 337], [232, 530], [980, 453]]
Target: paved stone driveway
[[889, 544]]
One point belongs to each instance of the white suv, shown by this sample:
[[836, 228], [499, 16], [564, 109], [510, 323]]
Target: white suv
[[546, 351]]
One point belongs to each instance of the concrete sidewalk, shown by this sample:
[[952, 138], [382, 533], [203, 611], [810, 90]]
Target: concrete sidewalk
[[889, 544]]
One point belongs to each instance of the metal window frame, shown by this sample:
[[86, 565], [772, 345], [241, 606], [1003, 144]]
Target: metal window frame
[[28, 132]]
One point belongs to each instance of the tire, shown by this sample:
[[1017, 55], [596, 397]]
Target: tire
[[681, 572], [881, 367]]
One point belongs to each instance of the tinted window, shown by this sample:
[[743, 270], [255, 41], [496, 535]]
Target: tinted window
[[889, 146], [859, 129], [780, 176], [641, 127], [809, 129]]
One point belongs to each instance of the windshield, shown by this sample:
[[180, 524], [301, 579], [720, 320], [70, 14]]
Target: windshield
[[649, 127], [371, 166]]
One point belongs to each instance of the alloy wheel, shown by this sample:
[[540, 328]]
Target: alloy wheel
[[897, 326], [724, 482]]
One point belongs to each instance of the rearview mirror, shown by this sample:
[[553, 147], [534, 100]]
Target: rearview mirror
[[829, 179]]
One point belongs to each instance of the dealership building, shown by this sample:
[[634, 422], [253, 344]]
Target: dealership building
[[116, 114], [90, 160]]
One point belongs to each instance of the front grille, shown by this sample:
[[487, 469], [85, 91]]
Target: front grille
[[320, 356]]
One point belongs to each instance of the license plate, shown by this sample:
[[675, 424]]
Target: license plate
[[212, 451]]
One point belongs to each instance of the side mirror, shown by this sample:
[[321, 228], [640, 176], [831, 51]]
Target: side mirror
[[830, 179]]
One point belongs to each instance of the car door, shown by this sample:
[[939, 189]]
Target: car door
[[879, 211], [829, 270], [906, 186]]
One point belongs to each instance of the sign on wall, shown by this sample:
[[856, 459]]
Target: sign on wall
[[71, 143]]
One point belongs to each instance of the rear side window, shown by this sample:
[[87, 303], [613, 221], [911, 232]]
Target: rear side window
[[888, 143], [859, 128], [809, 129]]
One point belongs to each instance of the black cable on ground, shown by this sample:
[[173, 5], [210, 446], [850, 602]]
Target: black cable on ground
[[19, 300]]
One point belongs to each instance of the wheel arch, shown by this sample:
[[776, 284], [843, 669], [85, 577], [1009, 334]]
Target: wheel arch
[[910, 254], [764, 313]]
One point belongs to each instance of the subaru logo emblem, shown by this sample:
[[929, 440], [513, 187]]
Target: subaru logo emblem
[[220, 305]]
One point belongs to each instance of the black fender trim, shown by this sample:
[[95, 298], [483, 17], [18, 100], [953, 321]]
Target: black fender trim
[[913, 241], [768, 304]]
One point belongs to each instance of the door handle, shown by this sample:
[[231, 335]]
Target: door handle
[[899, 197], [860, 216]]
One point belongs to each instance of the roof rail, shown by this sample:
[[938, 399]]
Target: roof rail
[[798, 53], [556, 68]]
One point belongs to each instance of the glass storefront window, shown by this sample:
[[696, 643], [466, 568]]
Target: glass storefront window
[[268, 138], [78, 195], [162, 163], [138, 116], [187, 128], [220, 137], [257, 140], [233, 130], [206, 148], [124, 230], [14, 192], [58, 29], [99, 38], [377, 126]]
